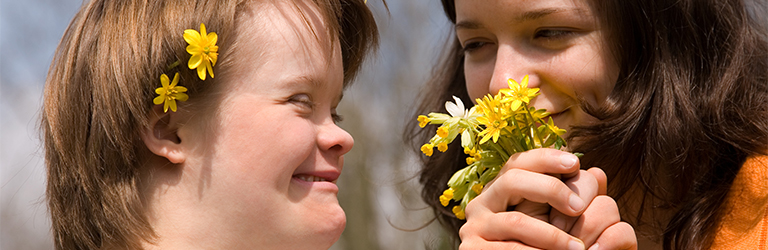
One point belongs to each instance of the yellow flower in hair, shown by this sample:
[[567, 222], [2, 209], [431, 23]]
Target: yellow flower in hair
[[202, 47], [169, 93]]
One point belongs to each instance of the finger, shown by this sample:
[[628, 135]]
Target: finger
[[491, 245], [536, 210], [601, 214], [585, 185], [520, 227], [602, 180], [516, 185], [543, 160], [618, 236]]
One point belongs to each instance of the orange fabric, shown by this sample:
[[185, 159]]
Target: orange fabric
[[744, 223]]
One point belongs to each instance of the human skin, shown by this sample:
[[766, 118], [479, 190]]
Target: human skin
[[562, 47], [258, 171]]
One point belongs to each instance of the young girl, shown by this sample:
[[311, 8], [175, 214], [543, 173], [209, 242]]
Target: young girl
[[669, 97], [201, 124]]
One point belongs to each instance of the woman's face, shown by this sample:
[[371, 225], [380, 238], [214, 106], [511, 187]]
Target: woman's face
[[560, 44], [268, 167]]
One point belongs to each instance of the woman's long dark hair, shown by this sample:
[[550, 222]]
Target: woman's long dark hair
[[690, 105]]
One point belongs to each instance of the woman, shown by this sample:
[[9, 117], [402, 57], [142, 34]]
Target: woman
[[670, 98]]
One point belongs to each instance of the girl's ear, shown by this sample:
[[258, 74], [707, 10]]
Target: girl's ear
[[161, 136]]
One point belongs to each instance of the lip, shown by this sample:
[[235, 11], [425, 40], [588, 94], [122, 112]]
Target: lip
[[329, 175], [329, 181]]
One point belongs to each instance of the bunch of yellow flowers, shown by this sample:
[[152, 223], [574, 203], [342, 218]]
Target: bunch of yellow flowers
[[497, 127]]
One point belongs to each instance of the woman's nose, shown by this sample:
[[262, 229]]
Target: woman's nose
[[511, 64]]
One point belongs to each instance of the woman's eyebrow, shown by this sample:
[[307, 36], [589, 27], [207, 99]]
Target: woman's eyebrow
[[526, 16]]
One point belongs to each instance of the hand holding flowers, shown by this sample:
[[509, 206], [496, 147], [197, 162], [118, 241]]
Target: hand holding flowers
[[497, 127], [508, 142]]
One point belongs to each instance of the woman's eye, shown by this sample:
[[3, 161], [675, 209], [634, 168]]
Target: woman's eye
[[552, 33], [472, 46]]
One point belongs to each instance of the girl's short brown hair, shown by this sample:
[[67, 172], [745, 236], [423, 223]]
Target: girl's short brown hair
[[99, 92]]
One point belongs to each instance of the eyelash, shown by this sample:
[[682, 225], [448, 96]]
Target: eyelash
[[305, 100], [549, 34], [552, 34], [472, 46]]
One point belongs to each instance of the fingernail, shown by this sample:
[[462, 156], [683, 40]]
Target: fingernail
[[559, 222], [575, 245], [568, 160], [595, 246], [575, 202]]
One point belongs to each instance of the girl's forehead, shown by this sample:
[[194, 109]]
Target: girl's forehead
[[279, 25]]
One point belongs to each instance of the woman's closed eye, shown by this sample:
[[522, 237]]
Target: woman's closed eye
[[552, 33], [554, 38]]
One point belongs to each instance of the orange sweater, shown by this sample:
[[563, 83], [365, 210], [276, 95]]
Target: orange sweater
[[744, 223]]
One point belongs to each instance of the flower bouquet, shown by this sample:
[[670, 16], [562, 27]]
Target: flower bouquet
[[497, 127]]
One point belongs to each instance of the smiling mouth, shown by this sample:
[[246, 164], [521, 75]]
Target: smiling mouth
[[310, 178]]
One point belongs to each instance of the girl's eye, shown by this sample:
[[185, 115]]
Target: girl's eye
[[472, 46], [303, 100]]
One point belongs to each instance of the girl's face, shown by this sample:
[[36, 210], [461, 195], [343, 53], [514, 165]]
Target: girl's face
[[560, 44], [268, 167]]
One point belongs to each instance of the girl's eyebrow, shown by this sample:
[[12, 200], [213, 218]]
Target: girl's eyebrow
[[310, 80], [527, 16]]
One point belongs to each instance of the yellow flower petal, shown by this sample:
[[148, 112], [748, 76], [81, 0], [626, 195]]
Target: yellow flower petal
[[444, 200], [201, 72], [448, 193], [182, 97], [159, 99], [213, 57], [212, 39], [442, 132], [470, 160], [458, 212], [165, 106], [442, 146], [209, 68], [191, 36], [478, 188], [175, 80], [195, 61], [164, 80], [427, 149], [172, 104]]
